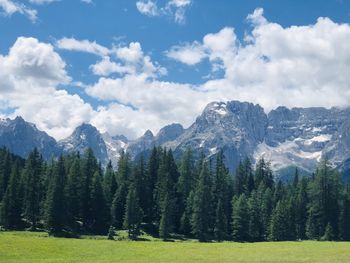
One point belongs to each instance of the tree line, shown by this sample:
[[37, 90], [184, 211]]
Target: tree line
[[191, 197]]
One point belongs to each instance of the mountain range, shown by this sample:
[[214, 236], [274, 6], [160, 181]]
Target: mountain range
[[286, 137]]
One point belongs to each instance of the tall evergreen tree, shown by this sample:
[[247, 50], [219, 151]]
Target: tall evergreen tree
[[240, 219], [5, 170], [55, 214], [133, 213], [32, 185], [109, 184], [89, 167], [220, 229], [201, 216], [98, 206], [11, 205]]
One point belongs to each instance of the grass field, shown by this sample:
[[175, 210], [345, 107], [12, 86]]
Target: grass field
[[38, 247]]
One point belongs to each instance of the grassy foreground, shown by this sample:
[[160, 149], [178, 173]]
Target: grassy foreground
[[37, 247]]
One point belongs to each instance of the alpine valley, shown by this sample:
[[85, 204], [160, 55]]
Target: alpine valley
[[297, 137]]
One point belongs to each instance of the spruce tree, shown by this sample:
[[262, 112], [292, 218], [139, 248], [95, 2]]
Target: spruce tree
[[99, 210], [32, 185], [279, 229], [344, 224], [118, 205], [200, 220], [11, 204], [255, 220], [73, 188], [220, 229], [166, 224], [133, 213], [109, 184], [240, 219], [55, 214]]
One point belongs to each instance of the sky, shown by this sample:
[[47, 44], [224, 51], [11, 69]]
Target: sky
[[130, 65]]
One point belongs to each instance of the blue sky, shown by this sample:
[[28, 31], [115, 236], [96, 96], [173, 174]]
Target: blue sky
[[164, 60]]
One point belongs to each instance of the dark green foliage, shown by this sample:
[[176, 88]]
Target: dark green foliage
[[109, 184], [220, 230], [32, 186], [56, 212], [10, 214], [133, 213], [328, 234], [201, 212], [99, 211], [72, 196], [240, 219]]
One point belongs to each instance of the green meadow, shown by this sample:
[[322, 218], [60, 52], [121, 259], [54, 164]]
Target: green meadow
[[19, 247]]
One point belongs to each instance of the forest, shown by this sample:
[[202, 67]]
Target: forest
[[190, 197]]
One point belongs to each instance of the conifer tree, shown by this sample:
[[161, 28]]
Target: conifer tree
[[109, 184], [73, 189], [89, 167], [255, 220], [133, 213], [5, 170], [279, 222], [220, 229], [32, 185], [11, 203], [166, 224], [344, 224], [55, 213], [98, 206], [200, 220], [240, 219]]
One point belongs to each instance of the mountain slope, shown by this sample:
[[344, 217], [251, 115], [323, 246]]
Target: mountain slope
[[21, 137]]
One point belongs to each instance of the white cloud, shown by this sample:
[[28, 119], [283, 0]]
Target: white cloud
[[10, 7], [189, 54], [41, 2], [173, 8], [274, 65], [87, 1], [82, 46], [30, 74], [147, 7], [294, 66]]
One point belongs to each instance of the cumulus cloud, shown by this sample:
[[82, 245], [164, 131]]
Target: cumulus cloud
[[30, 74], [10, 7], [173, 8], [147, 7], [273, 65], [82, 46]]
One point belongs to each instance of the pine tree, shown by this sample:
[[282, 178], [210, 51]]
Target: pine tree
[[200, 220], [263, 174], [255, 220], [118, 205], [55, 214], [11, 204], [328, 234], [109, 184], [89, 167], [279, 222], [73, 188], [240, 219], [344, 224], [32, 185], [166, 225], [133, 213], [220, 230], [5, 170], [98, 206], [301, 210]]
